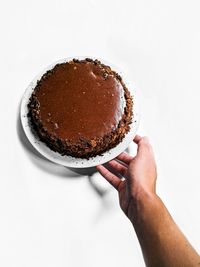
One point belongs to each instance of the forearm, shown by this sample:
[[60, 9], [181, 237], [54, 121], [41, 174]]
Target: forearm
[[161, 241]]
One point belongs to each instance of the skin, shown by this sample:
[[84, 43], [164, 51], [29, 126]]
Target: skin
[[161, 241]]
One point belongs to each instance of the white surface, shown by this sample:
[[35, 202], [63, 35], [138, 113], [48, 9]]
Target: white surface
[[48, 215], [68, 161]]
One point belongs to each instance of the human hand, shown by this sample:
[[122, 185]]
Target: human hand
[[162, 243], [139, 173]]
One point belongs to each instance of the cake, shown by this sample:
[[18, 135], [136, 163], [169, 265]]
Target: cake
[[80, 108]]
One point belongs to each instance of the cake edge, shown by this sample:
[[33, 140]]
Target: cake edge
[[84, 148]]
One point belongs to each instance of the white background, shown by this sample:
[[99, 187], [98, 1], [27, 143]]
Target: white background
[[50, 215]]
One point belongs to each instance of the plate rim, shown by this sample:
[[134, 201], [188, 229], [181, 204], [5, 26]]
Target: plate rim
[[69, 161]]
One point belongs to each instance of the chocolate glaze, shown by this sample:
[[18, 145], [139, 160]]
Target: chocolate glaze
[[81, 108], [80, 99]]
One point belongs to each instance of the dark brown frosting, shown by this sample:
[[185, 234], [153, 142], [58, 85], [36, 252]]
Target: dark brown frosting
[[80, 99]]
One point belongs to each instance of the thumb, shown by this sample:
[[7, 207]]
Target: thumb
[[144, 146]]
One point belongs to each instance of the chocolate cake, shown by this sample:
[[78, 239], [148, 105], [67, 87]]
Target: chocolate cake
[[80, 108]]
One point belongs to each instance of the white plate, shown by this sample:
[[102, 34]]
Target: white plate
[[69, 161]]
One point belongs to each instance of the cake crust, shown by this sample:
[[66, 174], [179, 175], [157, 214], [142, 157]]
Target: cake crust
[[87, 143]]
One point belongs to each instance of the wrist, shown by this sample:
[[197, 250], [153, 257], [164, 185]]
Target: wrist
[[143, 194], [143, 201]]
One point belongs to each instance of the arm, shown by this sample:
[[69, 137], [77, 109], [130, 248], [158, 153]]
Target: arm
[[161, 241]]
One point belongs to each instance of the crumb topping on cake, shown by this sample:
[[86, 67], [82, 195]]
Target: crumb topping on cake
[[81, 108]]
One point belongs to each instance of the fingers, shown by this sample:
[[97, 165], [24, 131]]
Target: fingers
[[116, 166], [141, 140], [144, 141], [144, 146], [109, 176], [137, 139], [124, 157]]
